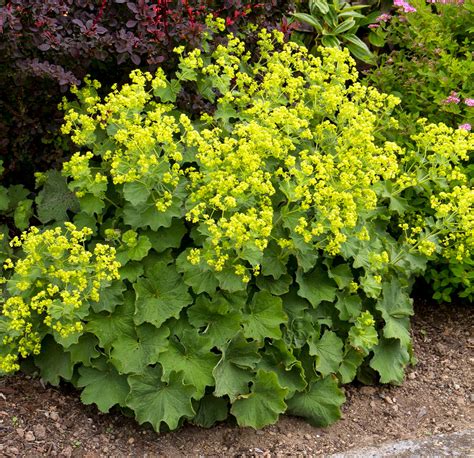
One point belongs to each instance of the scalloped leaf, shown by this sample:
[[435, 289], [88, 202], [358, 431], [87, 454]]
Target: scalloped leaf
[[263, 405], [161, 295], [157, 402], [320, 404]]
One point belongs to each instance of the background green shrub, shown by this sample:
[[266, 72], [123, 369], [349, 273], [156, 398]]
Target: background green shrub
[[429, 65]]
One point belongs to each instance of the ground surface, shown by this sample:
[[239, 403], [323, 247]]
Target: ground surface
[[435, 398]]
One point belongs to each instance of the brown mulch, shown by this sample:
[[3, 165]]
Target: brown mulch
[[435, 398]]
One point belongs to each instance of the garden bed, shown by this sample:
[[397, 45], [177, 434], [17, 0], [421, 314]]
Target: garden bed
[[435, 398]]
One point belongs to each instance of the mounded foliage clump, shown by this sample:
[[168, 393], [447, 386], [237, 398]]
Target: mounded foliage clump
[[249, 260]]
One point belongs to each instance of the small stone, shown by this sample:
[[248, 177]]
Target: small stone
[[40, 431], [372, 404], [131, 440], [29, 436], [456, 386], [20, 432], [308, 437], [13, 450], [259, 432], [395, 408], [388, 400], [368, 390], [412, 375], [54, 416], [67, 451]]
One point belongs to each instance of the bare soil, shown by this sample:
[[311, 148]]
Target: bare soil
[[436, 398]]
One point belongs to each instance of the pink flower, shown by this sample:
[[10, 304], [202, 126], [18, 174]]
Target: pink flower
[[373, 26], [469, 102], [407, 8], [466, 126], [452, 98], [383, 18], [444, 2]]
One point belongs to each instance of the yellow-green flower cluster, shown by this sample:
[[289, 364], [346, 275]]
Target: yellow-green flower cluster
[[52, 284], [300, 131], [143, 149], [437, 166]]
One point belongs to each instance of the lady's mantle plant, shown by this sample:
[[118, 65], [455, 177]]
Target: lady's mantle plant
[[267, 249]]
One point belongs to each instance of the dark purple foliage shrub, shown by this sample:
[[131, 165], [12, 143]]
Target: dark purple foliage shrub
[[47, 45]]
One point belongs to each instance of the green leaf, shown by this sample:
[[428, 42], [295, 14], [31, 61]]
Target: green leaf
[[230, 281], [168, 93], [135, 192], [328, 352], [17, 193], [225, 112], [167, 237], [330, 41], [378, 40], [112, 326], [186, 73], [275, 287], [103, 386], [389, 360], [385, 188], [278, 358], [352, 360], [316, 286], [320, 5], [23, 213], [109, 297], [131, 271], [131, 355], [235, 369], [55, 199], [198, 277], [344, 26], [210, 410], [84, 350], [161, 295], [341, 274], [81, 220], [363, 335], [157, 402], [274, 261], [264, 317], [320, 404], [54, 362], [142, 216], [136, 252], [359, 49], [205, 88], [396, 308], [4, 199], [263, 405], [219, 320], [372, 288], [192, 356], [91, 204], [349, 306]]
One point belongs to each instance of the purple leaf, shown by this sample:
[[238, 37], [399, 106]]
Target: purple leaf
[[135, 59]]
